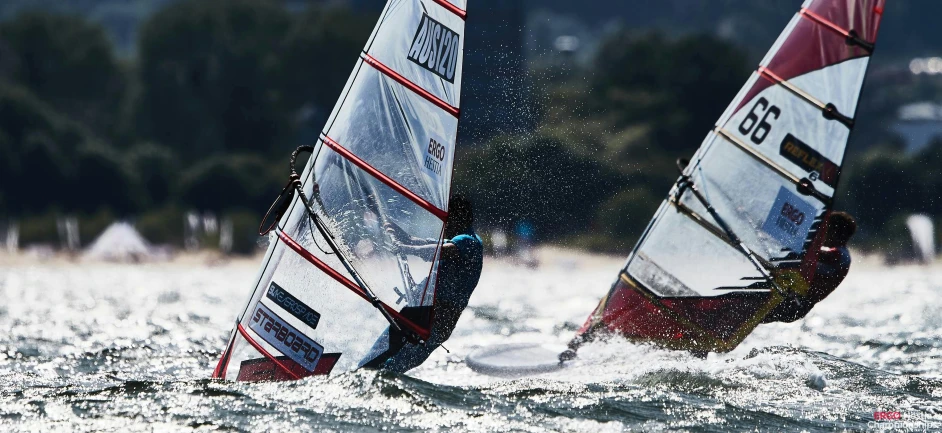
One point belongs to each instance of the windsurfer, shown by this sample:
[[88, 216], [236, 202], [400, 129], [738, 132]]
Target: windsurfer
[[833, 263], [831, 268], [459, 270]]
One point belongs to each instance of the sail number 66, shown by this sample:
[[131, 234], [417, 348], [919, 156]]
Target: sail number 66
[[759, 128]]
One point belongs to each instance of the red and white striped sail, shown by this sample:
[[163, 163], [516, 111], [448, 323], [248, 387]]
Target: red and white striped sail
[[385, 156], [685, 284]]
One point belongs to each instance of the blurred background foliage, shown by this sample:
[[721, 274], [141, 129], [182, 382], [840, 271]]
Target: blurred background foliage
[[204, 110]]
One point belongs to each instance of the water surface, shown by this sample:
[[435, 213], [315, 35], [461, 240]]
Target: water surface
[[101, 347]]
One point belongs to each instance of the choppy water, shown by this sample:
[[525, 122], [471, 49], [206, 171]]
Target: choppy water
[[96, 347]]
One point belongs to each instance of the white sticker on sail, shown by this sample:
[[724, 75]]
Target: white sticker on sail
[[340, 308], [435, 48], [789, 220]]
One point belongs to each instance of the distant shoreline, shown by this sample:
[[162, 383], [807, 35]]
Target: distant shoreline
[[546, 256]]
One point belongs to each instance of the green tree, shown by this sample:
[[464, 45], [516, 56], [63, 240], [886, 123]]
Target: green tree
[[104, 180], [678, 87], [536, 178], [318, 54], [157, 169], [53, 163], [209, 74], [39, 149], [68, 63], [229, 183]]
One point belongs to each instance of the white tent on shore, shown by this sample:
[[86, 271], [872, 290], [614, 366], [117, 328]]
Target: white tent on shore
[[120, 242]]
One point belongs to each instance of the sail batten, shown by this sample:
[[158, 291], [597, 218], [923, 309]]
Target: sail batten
[[383, 178], [851, 36], [775, 79], [704, 222], [829, 110], [768, 163], [452, 8], [327, 269], [397, 77]]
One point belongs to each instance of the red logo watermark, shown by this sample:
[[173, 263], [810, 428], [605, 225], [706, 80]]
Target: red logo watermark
[[887, 416], [893, 421]]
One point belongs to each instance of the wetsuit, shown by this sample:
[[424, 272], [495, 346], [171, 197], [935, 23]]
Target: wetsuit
[[456, 281], [833, 265]]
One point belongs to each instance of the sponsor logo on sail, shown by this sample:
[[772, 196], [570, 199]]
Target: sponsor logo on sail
[[435, 47], [789, 220], [293, 305], [434, 156], [284, 338], [804, 156]]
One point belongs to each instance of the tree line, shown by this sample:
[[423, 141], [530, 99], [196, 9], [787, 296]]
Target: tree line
[[203, 117], [220, 92]]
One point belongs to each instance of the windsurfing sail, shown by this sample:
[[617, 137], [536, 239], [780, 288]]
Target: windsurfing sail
[[923, 234], [332, 282], [739, 231]]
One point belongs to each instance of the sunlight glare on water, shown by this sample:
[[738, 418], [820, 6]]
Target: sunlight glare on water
[[100, 347]]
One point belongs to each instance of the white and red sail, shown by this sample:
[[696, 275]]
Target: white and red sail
[[385, 156], [769, 168]]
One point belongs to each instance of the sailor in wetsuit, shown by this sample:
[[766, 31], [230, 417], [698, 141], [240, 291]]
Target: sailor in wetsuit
[[459, 269], [833, 265]]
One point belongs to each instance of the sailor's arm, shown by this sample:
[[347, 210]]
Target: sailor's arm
[[418, 246], [399, 235], [449, 250]]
